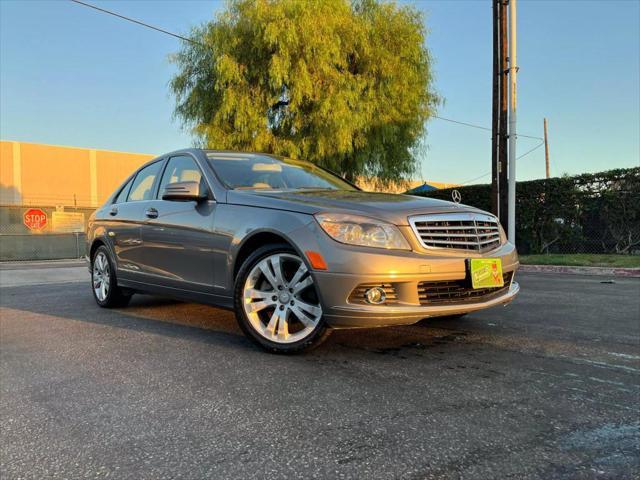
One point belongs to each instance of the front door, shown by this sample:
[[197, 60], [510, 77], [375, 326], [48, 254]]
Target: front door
[[178, 239]]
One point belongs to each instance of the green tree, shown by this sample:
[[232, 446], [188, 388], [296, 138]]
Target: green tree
[[347, 85]]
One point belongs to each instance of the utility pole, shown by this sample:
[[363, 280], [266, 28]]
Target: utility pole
[[546, 149], [502, 148], [513, 103], [495, 111]]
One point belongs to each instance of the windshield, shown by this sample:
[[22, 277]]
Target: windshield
[[263, 172]]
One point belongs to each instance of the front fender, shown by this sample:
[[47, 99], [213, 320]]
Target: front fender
[[241, 223]]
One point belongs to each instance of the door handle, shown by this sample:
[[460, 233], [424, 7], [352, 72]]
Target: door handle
[[114, 211], [151, 213]]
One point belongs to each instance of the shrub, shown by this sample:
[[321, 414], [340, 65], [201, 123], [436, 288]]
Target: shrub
[[588, 213]]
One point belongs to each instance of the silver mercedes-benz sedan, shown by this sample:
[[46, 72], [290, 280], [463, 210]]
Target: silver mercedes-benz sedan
[[295, 250]]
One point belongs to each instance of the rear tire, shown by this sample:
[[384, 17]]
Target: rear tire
[[104, 283], [277, 303]]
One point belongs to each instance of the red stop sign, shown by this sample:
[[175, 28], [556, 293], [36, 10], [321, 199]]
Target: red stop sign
[[35, 219]]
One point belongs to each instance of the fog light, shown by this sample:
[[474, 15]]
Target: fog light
[[375, 295]]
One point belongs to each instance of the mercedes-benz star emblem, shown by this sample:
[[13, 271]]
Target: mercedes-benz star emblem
[[457, 197]]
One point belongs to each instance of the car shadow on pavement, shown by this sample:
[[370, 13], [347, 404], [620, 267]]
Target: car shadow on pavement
[[217, 326], [145, 313]]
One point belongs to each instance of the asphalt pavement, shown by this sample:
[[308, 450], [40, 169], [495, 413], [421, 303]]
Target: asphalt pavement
[[548, 387]]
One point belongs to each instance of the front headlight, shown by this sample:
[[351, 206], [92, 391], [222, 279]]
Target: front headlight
[[364, 231]]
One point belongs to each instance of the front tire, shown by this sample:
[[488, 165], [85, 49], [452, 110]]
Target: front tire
[[104, 283], [277, 303]]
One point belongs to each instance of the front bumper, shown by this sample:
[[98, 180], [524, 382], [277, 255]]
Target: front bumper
[[346, 315], [404, 273]]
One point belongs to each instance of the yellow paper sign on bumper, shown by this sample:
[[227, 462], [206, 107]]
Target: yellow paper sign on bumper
[[486, 272]]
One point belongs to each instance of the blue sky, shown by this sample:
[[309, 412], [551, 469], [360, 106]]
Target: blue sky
[[73, 76]]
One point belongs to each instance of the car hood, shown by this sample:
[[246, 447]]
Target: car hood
[[390, 207]]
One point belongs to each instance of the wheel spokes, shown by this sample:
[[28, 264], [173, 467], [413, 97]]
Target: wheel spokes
[[302, 269], [283, 324], [276, 265], [302, 285], [255, 294], [265, 268], [273, 323], [300, 315], [278, 325], [312, 310], [257, 306]]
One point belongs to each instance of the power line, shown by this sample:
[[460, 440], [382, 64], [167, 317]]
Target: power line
[[138, 22], [481, 127], [474, 179], [462, 123], [529, 151], [517, 158]]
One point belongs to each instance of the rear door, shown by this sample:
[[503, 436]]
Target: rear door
[[178, 236], [125, 216]]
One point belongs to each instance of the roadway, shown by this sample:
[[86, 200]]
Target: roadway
[[548, 387]]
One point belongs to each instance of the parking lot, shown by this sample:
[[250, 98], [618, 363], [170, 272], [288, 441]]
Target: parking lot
[[548, 387]]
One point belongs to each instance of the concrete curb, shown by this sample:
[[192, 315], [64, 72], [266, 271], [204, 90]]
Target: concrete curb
[[31, 264], [606, 271]]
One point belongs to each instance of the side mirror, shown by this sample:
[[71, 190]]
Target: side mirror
[[183, 191]]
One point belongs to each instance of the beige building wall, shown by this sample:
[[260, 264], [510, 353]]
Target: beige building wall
[[54, 174], [7, 194], [45, 175]]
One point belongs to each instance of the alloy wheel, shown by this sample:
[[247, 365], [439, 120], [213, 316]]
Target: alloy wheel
[[101, 276], [280, 299]]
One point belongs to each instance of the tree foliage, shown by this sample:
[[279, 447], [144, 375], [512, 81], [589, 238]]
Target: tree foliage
[[347, 85]]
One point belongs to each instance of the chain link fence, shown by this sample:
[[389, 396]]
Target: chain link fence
[[57, 232]]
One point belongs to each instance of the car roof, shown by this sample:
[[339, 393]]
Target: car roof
[[214, 151], [207, 151]]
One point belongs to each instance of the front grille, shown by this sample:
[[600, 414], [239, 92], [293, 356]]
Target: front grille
[[357, 295], [458, 291], [461, 231]]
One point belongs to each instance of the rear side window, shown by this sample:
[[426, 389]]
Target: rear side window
[[181, 169], [143, 183], [122, 196]]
